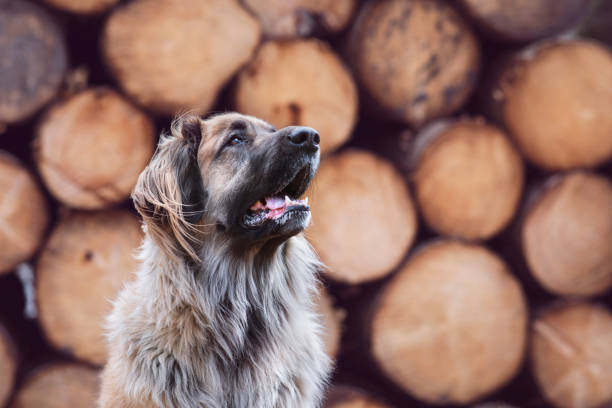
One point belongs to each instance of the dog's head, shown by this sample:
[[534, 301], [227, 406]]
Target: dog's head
[[230, 174]]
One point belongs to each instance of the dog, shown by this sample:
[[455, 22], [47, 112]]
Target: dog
[[220, 313]]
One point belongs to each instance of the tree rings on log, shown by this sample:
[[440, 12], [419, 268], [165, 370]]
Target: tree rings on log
[[468, 178], [566, 235], [175, 55], [33, 62], [84, 264], [571, 355], [364, 219], [555, 99], [23, 213], [91, 148], [451, 326], [300, 82], [417, 59]]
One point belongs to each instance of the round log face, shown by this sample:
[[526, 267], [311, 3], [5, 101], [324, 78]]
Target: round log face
[[83, 6], [363, 217], [557, 105], [91, 148], [23, 213], [33, 63], [567, 233], [175, 55], [297, 18], [450, 326], [468, 180], [59, 386], [524, 20], [418, 59], [571, 356], [8, 366], [300, 83], [84, 264]]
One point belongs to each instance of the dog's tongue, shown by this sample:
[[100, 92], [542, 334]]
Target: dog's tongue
[[274, 203]]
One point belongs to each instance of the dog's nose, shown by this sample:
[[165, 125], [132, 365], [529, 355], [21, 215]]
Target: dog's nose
[[304, 137]]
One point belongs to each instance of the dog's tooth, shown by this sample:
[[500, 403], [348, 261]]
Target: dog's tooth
[[305, 200], [287, 201]]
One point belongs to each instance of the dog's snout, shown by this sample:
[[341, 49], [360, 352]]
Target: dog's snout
[[304, 137]]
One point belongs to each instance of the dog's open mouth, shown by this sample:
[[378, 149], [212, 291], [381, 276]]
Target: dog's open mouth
[[280, 203]]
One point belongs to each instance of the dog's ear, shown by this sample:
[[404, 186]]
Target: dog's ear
[[169, 194]]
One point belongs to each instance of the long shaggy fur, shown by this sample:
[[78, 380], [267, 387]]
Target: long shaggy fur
[[203, 326]]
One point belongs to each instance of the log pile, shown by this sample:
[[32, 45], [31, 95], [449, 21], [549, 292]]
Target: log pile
[[462, 209]]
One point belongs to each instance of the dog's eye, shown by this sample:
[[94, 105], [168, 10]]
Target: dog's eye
[[236, 140]]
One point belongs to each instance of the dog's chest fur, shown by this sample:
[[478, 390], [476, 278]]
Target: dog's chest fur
[[235, 333]]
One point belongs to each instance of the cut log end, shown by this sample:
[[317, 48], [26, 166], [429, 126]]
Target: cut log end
[[468, 179], [567, 232], [59, 386], [204, 44], [8, 365], [450, 327], [301, 82], [363, 216], [524, 20], [82, 6], [84, 264], [99, 167], [556, 100], [301, 18], [571, 355], [417, 59], [23, 213], [29, 79]]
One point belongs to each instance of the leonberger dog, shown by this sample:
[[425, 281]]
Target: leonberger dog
[[220, 313]]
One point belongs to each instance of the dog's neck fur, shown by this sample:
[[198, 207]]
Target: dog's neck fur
[[239, 332]]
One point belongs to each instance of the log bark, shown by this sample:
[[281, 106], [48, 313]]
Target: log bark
[[467, 178], [8, 365], [91, 148], [33, 62], [571, 356], [59, 385], [175, 55], [301, 18], [417, 59], [566, 235], [524, 20], [555, 98], [363, 216], [332, 323], [450, 327], [342, 396], [82, 6], [300, 82], [23, 213], [86, 261]]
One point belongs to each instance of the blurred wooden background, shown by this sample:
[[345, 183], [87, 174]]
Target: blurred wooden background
[[463, 205]]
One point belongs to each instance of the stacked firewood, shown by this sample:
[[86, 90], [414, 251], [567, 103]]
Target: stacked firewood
[[463, 206]]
